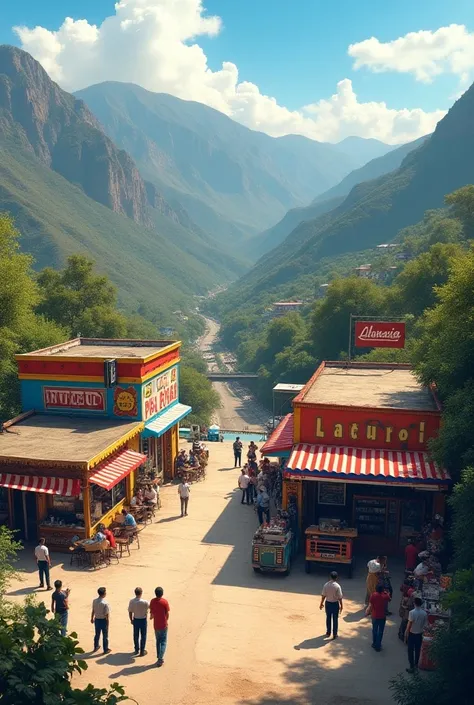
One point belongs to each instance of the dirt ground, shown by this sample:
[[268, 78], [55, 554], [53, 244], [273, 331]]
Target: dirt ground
[[235, 637]]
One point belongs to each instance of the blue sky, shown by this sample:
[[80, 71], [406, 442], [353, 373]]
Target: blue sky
[[294, 50]]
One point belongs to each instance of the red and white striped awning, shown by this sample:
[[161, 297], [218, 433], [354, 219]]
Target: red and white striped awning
[[47, 485], [109, 472], [281, 440], [364, 464]]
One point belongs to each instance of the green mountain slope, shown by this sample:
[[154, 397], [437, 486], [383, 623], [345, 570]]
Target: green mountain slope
[[56, 219], [332, 198], [234, 182], [71, 189], [372, 170], [376, 210]]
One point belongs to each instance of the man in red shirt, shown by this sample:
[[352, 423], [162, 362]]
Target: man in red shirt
[[378, 608], [160, 612], [411, 556]]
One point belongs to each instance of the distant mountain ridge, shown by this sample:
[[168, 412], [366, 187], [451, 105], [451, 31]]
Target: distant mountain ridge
[[233, 181], [374, 211], [71, 190], [332, 198]]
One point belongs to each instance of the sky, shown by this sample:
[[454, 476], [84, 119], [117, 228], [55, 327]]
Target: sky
[[322, 69]]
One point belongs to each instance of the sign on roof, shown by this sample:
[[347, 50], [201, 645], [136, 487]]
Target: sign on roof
[[379, 334]]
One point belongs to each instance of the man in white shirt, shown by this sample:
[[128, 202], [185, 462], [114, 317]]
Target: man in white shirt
[[417, 621], [184, 491], [44, 564], [138, 611], [244, 481], [331, 598], [100, 619], [151, 495]]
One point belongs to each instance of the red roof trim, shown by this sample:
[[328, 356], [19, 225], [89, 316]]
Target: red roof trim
[[281, 438]]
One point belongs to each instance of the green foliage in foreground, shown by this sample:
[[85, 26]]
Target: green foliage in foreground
[[36, 663]]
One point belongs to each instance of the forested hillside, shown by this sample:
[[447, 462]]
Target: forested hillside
[[288, 349], [373, 212]]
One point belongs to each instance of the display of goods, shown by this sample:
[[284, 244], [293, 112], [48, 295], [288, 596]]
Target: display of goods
[[445, 582], [430, 591]]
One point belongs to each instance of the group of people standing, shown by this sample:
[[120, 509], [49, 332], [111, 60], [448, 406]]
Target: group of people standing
[[253, 480], [158, 610]]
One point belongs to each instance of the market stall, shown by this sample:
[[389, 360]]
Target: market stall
[[68, 462], [360, 453]]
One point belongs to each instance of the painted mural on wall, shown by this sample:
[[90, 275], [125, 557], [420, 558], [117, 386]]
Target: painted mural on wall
[[125, 401]]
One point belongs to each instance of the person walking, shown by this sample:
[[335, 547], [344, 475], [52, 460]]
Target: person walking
[[378, 602], [43, 561], [375, 568], [237, 446], [60, 604], [417, 621], [138, 612], [331, 599], [184, 491], [244, 482], [100, 619], [263, 504], [160, 613]]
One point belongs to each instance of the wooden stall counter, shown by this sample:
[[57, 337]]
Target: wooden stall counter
[[59, 538], [330, 546]]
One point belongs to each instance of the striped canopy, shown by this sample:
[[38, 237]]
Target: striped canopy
[[364, 464], [47, 485], [109, 472]]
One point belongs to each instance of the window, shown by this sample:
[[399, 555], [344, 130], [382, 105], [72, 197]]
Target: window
[[103, 501]]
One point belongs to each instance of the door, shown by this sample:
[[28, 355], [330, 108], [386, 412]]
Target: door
[[25, 515]]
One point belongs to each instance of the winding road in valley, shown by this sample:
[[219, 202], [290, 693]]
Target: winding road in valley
[[239, 411]]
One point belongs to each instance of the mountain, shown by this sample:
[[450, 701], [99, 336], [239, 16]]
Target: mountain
[[71, 189], [363, 149], [376, 167], [332, 198], [374, 211], [234, 182]]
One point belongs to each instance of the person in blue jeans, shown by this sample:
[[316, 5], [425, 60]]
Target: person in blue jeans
[[100, 619], [60, 604], [331, 599], [159, 613], [138, 612], [377, 608]]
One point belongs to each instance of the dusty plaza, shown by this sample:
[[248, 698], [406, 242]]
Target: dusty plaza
[[234, 636]]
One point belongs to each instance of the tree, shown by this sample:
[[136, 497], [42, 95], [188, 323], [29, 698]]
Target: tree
[[444, 349], [8, 556], [414, 289], [329, 324], [80, 300], [37, 663], [461, 203], [196, 391], [18, 291]]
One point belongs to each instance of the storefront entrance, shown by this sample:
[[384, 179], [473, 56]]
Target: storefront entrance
[[24, 518]]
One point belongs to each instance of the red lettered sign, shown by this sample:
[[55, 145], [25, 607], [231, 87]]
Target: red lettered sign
[[379, 334], [74, 398]]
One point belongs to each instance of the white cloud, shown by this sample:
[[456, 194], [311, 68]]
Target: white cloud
[[153, 43], [425, 54]]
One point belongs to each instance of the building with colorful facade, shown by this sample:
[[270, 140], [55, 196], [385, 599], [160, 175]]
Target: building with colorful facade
[[94, 412], [356, 449]]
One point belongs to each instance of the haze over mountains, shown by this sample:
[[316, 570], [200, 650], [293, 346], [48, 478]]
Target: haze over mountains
[[233, 182], [374, 211]]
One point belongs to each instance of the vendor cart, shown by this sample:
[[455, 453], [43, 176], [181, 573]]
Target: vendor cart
[[273, 547], [330, 546]]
